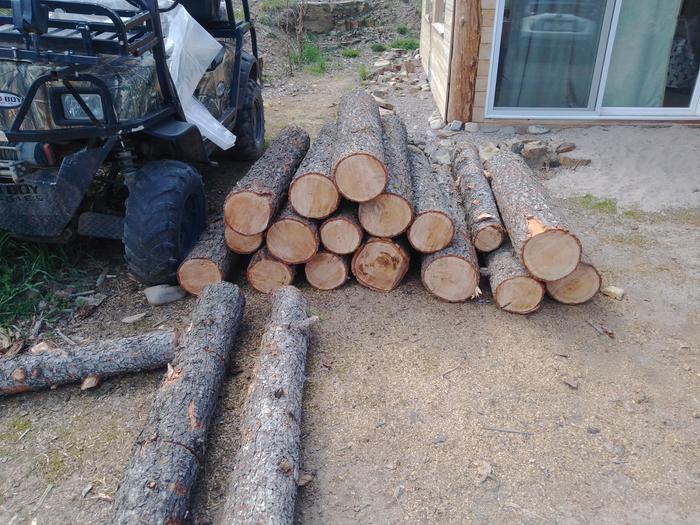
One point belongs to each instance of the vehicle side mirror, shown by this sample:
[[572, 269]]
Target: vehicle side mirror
[[30, 16]]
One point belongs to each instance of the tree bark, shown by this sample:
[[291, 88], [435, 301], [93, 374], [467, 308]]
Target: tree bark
[[255, 200], [465, 59], [242, 244], [432, 228], [327, 271], [208, 262], [266, 273], [452, 274], [487, 230], [165, 461], [263, 484], [312, 191], [390, 213], [540, 236], [293, 239], [359, 168], [578, 287], [380, 264], [512, 287], [342, 233], [59, 366]]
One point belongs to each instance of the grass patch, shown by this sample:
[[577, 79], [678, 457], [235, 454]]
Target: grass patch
[[309, 54], [594, 203], [408, 44], [351, 52], [318, 67], [363, 72], [51, 466], [402, 30], [274, 5], [377, 47], [17, 426]]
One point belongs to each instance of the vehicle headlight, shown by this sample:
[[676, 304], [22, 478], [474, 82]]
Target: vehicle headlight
[[73, 111]]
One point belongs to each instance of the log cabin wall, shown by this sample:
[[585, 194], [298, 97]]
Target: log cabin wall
[[436, 47]]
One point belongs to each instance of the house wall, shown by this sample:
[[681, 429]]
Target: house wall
[[488, 17], [436, 49]]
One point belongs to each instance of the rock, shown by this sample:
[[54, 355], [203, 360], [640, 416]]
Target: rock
[[533, 150], [456, 125], [164, 294], [490, 129], [484, 471], [570, 382], [425, 87], [441, 156], [614, 292], [593, 430], [384, 111], [437, 123], [439, 439], [507, 130], [517, 147], [537, 130], [134, 318], [565, 147], [409, 67], [570, 162], [383, 103], [429, 148], [380, 93], [471, 127]]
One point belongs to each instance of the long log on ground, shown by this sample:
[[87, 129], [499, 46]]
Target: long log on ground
[[390, 213], [59, 366], [263, 484], [578, 287], [327, 271], [512, 287], [380, 264], [255, 200], [209, 261], [342, 233], [293, 239], [165, 460], [359, 168], [266, 273], [243, 244], [452, 274], [432, 228], [540, 236], [312, 191], [482, 217]]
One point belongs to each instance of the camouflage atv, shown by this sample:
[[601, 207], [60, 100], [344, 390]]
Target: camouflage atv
[[95, 138]]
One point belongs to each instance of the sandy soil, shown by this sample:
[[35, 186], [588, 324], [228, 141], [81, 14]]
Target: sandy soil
[[420, 411]]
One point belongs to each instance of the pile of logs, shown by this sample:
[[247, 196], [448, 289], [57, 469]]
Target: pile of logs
[[360, 200]]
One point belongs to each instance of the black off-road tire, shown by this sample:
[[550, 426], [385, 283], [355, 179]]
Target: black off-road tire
[[250, 124], [165, 214]]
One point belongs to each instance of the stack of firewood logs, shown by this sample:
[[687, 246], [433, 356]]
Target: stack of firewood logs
[[361, 200]]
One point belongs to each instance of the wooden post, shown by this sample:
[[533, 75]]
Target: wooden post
[[466, 40]]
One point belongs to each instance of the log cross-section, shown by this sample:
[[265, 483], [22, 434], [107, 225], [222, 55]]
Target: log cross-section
[[380, 264], [578, 287], [266, 273], [293, 239], [266, 469], [327, 271], [165, 460], [341, 233], [513, 289]]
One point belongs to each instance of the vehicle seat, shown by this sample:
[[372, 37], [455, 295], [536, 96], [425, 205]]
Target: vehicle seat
[[204, 11]]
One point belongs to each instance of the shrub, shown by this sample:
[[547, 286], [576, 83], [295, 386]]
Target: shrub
[[377, 47], [409, 44], [363, 72], [318, 67], [351, 52], [402, 30], [310, 53]]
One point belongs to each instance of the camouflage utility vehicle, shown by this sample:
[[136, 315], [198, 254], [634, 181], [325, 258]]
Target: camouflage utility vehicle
[[94, 138]]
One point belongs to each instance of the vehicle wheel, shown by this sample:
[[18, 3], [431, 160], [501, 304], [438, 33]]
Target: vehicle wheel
[[250, 124], [165, 214]]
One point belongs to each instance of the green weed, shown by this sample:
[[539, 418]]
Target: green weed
[[318, 67], [310, 53], [274, 5], [363, 72], [402, 30], [594, 203], [377, 47], [409, 44], [351, 52]]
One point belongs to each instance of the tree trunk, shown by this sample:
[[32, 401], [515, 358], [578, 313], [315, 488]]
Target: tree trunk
[[482, 213], [312, 192], [342, 233], [452, 274], [266, 274], [380, 264], [327, 271], [165, 460], [293, 239], [465, 59], [359, 168], [208, 262], [263, 484], [390, 213], [252, 204], [512, 287], [243, 244], [432, 228], [59, 366], [541, 238], [578, 287]]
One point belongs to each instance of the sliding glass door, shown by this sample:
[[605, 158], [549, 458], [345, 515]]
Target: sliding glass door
[[595, 59]]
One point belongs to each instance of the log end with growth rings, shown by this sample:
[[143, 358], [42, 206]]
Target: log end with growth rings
[[387, 215], [247, 212], [292, 241], [314, 196], [489, 238], [451, 278], [431, 232], [340, 236], [550, 255], [380, 264], [520, 295], [326, 271], [360, 177], [266, 274], [194, 274], [578, 287], [242, 244]]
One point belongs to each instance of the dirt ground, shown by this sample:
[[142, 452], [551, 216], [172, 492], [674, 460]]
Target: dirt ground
[[419, 411]]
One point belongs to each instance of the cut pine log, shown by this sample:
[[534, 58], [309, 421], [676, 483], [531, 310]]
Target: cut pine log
[[266, 274], [342, 233], [208, 262], [452, 274], [432, 228], [578, 287], [243, 244], [266, 470], [512, 287], [359, 168], [390, 213], [312, 192], [327, 271], [59, 366], [482, 217], [293, 239], [165, 460], [540, 236], [255, 200], [380, 264]]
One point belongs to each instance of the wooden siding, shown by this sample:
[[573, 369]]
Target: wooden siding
[[436, 52]]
